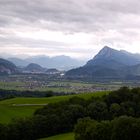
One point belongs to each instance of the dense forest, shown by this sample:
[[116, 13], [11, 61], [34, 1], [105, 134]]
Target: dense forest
[[111, 117], [121, 128]]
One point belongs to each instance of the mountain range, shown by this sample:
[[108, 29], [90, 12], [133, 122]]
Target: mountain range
[[7, 67], [109, 64], [59, 62]]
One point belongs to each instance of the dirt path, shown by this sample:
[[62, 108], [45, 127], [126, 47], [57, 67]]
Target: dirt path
[[29, 104]]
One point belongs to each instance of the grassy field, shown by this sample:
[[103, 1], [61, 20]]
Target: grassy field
[[67, 136], [24, 107]]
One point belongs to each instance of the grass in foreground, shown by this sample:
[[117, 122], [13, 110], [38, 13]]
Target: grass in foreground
[[9, 108], [67, 136]]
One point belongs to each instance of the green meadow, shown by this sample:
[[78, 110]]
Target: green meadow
[[24, 107]]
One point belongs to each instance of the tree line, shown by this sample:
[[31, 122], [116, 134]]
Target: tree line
[[7, 94]]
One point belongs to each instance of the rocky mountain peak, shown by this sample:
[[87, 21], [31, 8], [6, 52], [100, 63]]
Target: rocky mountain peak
[[106, 52]]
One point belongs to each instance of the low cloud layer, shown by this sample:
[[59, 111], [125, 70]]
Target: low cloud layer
[[68, 26]]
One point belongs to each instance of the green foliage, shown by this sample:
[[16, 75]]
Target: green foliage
[[115, 110], [126, 128], [98, 110], [88, 129], [81, 131], [122, 128]]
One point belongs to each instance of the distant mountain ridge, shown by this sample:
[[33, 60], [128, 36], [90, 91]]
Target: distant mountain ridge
[[109, 64], [59, 62], [18, 62]]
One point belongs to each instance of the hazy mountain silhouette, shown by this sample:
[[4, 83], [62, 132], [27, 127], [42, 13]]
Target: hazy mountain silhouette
[[19, 62], [58, 62]]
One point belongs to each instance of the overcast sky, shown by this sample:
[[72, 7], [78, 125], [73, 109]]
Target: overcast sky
[[77, 28]]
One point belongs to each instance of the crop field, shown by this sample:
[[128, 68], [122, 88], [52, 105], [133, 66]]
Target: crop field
[[12, 85], [67, 136], [24, 107]]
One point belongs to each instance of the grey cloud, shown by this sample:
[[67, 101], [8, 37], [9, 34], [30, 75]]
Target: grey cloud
[[68, 15], [31, 42]]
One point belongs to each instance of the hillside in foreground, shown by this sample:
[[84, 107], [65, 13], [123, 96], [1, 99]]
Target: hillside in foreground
[[114, 116], [25, 107]]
